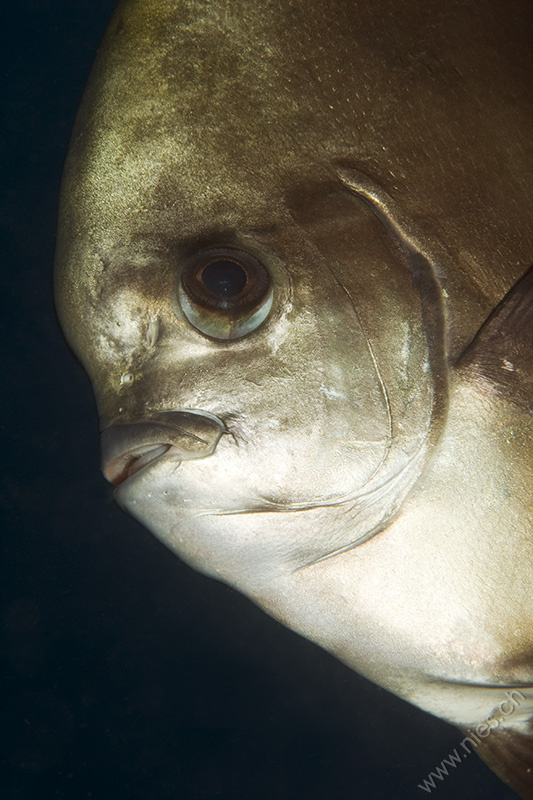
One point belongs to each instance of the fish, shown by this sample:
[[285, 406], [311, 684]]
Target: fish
[[294, 257]]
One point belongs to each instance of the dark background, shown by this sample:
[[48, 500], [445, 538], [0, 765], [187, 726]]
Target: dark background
[[125, 674]]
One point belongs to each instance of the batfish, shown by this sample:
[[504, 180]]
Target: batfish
[[294, 255]]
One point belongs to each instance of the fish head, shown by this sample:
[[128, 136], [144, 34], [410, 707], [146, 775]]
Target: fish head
[[256, 339], [249, 269]]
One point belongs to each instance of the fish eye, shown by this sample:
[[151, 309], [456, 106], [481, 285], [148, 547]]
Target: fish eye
[[225, 293]]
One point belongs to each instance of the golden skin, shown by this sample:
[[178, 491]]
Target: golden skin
[[377, 159]]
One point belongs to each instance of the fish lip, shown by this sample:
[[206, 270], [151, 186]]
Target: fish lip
[[125, 466], [128, 448]]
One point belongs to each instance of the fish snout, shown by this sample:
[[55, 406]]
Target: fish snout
[[128, 448]]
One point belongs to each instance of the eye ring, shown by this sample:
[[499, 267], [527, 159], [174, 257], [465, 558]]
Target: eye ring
[[225, 293]]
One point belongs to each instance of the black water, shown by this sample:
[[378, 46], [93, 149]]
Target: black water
[[125, 674]]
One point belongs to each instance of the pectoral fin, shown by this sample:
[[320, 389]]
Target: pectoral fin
[[509, 753], [502, 351]]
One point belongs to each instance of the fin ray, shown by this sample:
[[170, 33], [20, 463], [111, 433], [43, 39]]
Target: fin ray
[[502, 351], [509, 753]]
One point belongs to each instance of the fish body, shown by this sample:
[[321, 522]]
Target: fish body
[[293, 258]]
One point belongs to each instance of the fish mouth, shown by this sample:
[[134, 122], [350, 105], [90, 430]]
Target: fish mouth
[[130, 462], [131, 447]]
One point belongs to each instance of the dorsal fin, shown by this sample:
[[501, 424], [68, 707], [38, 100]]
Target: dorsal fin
[[509, 753], [502, 351]]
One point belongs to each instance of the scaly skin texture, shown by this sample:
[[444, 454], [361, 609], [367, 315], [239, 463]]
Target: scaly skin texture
[[377, 158], [205, 118]]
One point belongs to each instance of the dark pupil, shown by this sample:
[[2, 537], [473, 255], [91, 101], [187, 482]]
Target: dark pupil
[[224, 278]]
